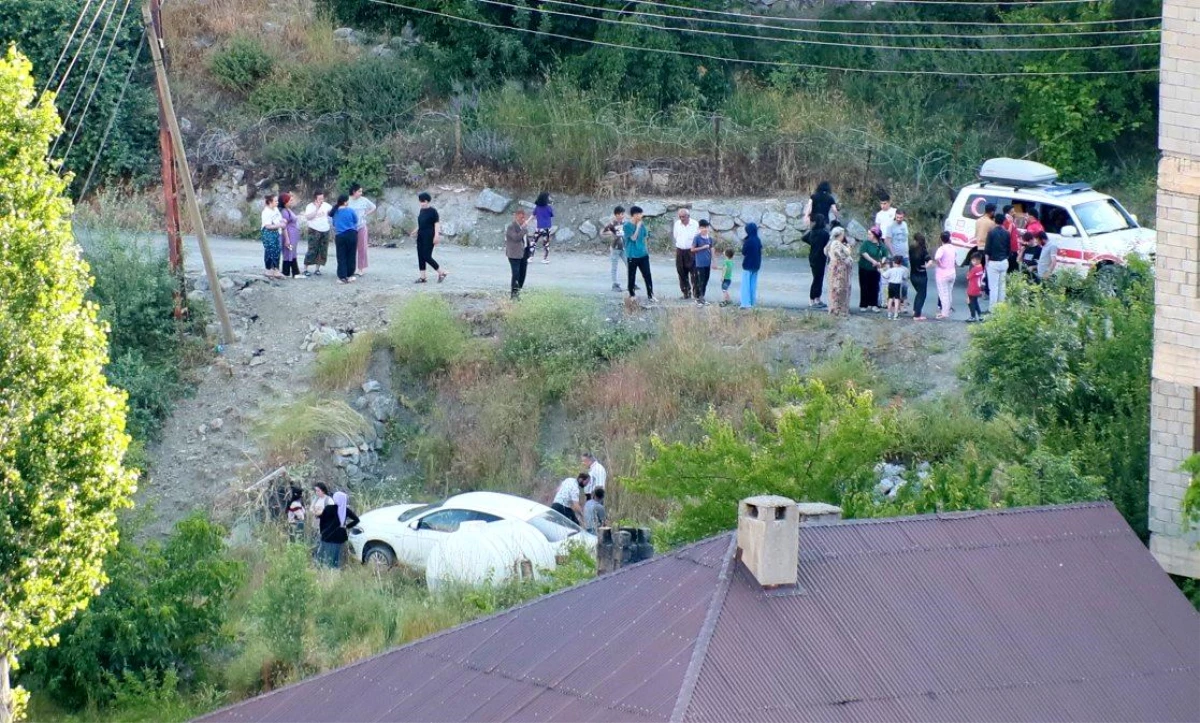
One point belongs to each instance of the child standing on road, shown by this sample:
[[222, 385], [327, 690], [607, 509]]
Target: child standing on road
[[894, 275], [726, 277], [543, 212], [975, 286]]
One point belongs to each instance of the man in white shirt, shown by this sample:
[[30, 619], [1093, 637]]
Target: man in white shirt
[[566, 499], [684, 232], [597, 475], [886, 216], [316, 215]]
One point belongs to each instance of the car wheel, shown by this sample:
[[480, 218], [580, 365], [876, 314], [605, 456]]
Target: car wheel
[[379, 556]]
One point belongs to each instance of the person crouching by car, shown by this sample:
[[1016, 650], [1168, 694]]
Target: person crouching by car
[[566, 499]]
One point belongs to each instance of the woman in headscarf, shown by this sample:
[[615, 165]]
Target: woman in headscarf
[[291, 235], [335, 520], [840, 250], [871, 256], [751, 263]]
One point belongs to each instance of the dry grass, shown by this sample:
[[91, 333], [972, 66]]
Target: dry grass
[[286, 432], [196, 28], [344, 366]]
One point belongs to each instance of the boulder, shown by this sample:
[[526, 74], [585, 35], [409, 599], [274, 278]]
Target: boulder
[[660, 181], [394, 215], [564, 234], [588, 229], [449, 228], [231, 215], [225, 283], [382, 408], [640, 175], [197, 296], [343, 33], [371, 386], [652, 209], [794, 210], [774, 220], [722, 223], [489, 200], [201, 283], [382, 51], [750, 214]]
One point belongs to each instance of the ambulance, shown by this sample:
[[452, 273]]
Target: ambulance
[[1091, 228]]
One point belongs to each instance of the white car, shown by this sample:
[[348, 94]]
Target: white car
[[1091, 228], [406, 534]]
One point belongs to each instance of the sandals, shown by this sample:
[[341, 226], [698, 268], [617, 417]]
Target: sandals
[[442, 276], [421, 281]]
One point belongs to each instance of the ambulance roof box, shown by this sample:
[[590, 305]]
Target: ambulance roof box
[[1016, 172]]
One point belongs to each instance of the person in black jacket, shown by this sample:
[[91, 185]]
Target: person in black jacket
[[995, 248], [335, 519], [817, 239]]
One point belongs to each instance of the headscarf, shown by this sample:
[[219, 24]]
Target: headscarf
[[341, 500], [837, 234]]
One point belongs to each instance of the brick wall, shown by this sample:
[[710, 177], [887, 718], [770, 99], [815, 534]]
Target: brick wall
[[1176, 369]]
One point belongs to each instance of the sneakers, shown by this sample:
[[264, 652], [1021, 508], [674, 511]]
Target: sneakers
[[545, 261], [725, 303], [974, 319], [616, 287], [818, 305], [701, 302]]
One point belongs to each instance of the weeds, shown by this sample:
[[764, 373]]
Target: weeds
[[344, 366], [285, 432], [425, 334]]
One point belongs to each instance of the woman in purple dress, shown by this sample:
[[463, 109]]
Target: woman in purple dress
[[291, 236]]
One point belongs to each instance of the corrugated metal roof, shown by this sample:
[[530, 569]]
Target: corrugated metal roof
[[1036, 614]]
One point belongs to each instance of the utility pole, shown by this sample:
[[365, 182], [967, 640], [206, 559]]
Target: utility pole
[[184, 174], [169, 181]]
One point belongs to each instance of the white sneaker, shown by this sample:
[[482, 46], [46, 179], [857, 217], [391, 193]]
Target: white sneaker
[[545, 261]]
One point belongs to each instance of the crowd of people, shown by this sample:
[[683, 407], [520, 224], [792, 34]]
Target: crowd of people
[[347, 221], [889, 260], [332, 519], [581, 498]]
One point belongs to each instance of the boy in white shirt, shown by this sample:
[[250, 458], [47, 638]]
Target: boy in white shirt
[[894, 276], [886, 216]]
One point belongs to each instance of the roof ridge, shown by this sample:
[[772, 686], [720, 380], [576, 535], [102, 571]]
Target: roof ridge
[[692, 675], [967, 514]]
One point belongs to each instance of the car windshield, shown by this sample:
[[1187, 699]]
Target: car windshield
[[554, 526], [409, 514], [1105, 216]]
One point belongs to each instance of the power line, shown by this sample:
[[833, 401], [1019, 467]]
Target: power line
[[96, 85], [931, 23], [113, 116], [86, 72], [66, 45], [83, 41], [775, 63], [827, 43], [961, 3], [844, 33]]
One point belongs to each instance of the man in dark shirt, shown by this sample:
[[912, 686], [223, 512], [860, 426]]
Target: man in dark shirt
[[517, 250], [1031, 251], [428, 233], [996, 248]]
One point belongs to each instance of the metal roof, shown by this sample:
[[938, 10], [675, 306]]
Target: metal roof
[[1052, 613]]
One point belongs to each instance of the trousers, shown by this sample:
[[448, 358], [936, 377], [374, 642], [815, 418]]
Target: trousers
[[997, 276], [642, 263], [345, 246]]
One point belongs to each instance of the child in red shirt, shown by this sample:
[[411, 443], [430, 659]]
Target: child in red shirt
[[975, 287]]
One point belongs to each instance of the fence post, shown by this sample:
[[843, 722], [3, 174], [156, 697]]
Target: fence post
[[457, 141]]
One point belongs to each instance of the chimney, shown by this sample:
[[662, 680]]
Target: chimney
[[818, 513], [768, 539]]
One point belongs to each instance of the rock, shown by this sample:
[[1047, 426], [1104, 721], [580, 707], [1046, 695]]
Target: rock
[[216, 424], [652, 209], [794, 210], [354, 473], [197, 296], [722, 223], [774, 220], [349, 451], [229, 214], [343, 33], [392, 214], [381, 51], [382, 408], [564, 234], [185, 125], [660, 181], [225, 283], [588, 229], [750, 214], [201, 283], [489, 200], [640, 175], [449, 228], [202, 430], [269, 27], [257, 361], [397, 42], [371, 386], [326, 335]]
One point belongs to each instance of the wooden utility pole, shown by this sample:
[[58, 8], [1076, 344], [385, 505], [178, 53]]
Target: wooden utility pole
[[184, 175], [169, 181]]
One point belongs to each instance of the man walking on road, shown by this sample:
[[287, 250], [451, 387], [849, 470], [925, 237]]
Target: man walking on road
[[517, 251], [684, 233]]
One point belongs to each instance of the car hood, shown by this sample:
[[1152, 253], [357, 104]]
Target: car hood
[[1141, 241]]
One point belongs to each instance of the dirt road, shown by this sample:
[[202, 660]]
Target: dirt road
[[783, 282]]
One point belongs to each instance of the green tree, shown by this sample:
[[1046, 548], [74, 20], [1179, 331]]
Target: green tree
[[820, 446], [62, 427]]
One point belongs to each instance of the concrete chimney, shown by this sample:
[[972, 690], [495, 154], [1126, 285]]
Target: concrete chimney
[[768, 539], [818, 513]]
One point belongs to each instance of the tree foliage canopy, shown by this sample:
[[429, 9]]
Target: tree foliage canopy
[[62, 427]]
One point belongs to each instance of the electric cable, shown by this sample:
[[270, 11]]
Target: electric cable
[[96, 85], [113, 116], [83, 41], [86, 73], [66, 45]]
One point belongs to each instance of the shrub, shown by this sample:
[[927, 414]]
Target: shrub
[[344, 366], [365, 165], [163, 609], [1045, 478], [284, 605], [425, 334], [152, 389], [302, 157], [241, 64], [377, 95]]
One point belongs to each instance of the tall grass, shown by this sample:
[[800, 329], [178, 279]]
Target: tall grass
[[286, 432], [426, 335], [344, 366]]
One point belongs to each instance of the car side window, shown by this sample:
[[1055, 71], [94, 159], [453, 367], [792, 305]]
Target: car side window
[[445, 520], [483, 517], [1053, 218]]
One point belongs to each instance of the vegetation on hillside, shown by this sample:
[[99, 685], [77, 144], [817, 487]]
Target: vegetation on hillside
[[62, 426]]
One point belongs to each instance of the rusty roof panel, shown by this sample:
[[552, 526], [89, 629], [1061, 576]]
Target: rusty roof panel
[[1040, 614]]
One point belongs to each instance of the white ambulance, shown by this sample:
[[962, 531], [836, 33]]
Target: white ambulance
[[1091, 228]]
